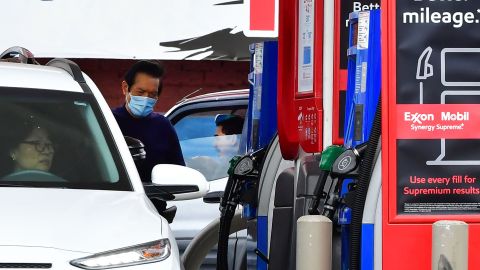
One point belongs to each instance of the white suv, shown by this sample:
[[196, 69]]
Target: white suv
[[70, 195]]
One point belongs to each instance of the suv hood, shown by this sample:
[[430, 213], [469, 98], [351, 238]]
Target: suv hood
[[88, 221]]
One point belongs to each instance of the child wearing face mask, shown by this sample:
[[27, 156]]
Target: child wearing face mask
[[141, 87]]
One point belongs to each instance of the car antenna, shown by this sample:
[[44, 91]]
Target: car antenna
[[189, 95]]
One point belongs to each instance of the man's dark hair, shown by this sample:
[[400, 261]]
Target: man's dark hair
[[150, 68], [231, 125]]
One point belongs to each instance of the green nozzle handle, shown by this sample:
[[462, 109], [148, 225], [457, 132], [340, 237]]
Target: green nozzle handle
[[233, 162], [329, 156]]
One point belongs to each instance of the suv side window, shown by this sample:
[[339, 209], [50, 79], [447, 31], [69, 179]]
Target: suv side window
[[202, 149], [57, 139]]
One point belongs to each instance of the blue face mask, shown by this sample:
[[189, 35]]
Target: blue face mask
[[141, 106]]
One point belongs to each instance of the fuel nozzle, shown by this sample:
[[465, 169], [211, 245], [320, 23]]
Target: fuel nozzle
[[328, 158], [241, 170], [242, 177], [338, 163], [346, 164], [247, 165], [228, 202]]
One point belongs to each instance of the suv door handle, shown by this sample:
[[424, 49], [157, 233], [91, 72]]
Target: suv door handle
[[213, 197]]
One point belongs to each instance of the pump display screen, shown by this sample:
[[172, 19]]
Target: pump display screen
[[306, 37]]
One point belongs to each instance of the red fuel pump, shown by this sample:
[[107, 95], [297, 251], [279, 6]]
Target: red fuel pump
[[300, 72]]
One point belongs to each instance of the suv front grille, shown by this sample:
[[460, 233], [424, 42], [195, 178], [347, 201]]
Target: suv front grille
[[26, 265]]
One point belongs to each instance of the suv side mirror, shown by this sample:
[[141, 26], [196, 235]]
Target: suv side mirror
[[136, 147], [183, 182]]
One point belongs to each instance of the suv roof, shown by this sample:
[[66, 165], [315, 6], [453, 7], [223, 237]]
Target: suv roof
[[36, 76], [216, 96], [18, 68], [223, 95]]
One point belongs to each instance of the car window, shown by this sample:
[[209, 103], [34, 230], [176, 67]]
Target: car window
[[204, 151], [201, 124], [57, 139], [202, 154]]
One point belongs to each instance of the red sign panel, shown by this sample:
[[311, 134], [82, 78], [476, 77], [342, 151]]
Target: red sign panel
[[438, 121], [262, 15], [430, 136]]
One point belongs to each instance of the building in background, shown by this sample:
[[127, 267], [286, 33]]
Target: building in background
[[181, 78]]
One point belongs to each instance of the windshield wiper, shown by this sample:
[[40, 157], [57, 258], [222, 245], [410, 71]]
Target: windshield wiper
[[12, 185], [30, 186]]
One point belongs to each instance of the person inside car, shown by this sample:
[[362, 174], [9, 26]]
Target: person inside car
[[228, 127], [226, 141], [142, 86], [31, 151]]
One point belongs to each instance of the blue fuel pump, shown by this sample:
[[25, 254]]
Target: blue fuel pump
[[244, 171], [262, 109], [261, 126], [364, 76], [363, 91]]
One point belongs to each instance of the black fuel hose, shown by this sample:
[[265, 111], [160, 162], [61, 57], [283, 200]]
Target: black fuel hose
[[318, 193], [366, 168], [224, 233], [227, 208], [250, 167]]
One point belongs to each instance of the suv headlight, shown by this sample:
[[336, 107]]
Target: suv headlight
[[145, 253]]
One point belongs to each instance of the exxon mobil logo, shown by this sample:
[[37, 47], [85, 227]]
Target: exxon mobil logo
[[418, 118]]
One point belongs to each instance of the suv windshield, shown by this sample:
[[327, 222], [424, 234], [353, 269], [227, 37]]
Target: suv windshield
[[56, 139]]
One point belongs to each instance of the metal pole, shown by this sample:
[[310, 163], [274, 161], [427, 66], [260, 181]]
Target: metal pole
[[450, 245], [328, 52]]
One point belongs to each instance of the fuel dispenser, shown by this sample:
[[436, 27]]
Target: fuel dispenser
[[364, 76], [429, 158], [261, 128], [332, 186], [262, 110], [243, 176], [426, 170], [300, 112], [342, 36], [363, 91], [345, 165], [430, 132]]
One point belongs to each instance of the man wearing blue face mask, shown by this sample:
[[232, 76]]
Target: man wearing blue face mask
[[141, 86]]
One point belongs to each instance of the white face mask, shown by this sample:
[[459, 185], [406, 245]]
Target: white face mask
[[226, 145]]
